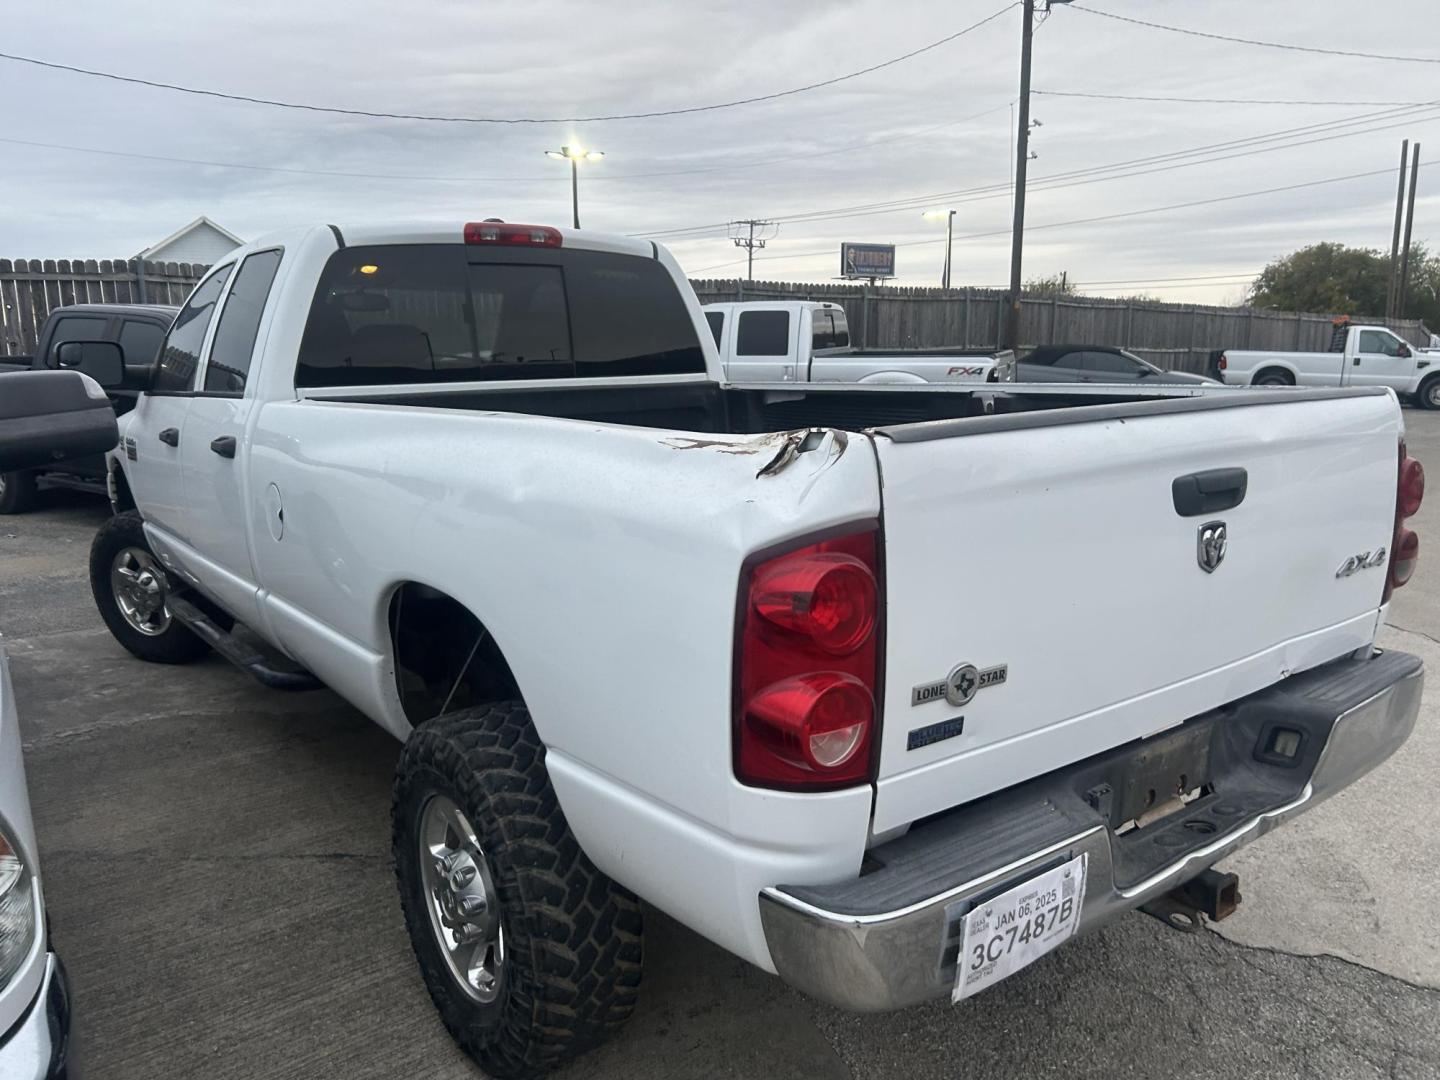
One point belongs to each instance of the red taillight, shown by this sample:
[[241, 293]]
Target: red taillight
[[1411, 488], [807, 665], [820, 719], [1404, 543], [1224, 362], [501, 233], [827, 596], [1404, 556]]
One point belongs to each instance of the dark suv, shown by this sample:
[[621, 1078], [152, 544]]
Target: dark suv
[[139, 329]]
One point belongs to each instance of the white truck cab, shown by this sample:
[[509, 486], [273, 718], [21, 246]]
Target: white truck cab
[[770, 341], [1358, 356]]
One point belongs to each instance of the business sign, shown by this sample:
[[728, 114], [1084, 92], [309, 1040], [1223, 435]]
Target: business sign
[[867, 260]]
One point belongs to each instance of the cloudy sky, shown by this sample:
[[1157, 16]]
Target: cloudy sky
[[869, 153]]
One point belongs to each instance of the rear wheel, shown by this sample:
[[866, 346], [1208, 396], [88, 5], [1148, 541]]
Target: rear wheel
[[17, 492], [1429, 393], [131, 588], [1274, 377], [531, 955]]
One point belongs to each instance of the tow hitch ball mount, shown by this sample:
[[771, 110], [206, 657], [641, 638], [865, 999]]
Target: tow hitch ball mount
[[1210, 894]]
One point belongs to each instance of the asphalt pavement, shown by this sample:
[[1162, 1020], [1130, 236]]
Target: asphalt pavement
[[216, 870]]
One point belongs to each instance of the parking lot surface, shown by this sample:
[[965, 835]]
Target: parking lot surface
[[216, 869]]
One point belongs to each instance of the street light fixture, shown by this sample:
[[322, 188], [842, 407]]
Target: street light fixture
[[949, 216], [575, 155]]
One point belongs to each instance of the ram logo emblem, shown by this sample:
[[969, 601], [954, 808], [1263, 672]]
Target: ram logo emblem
[[1210, 545]]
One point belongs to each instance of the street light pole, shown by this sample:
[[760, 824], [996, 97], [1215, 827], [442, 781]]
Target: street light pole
[[575, 155], [575, 190], [949, 216], [949, 241]]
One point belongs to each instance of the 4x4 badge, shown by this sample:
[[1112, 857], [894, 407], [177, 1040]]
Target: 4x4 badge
[[961, 685]]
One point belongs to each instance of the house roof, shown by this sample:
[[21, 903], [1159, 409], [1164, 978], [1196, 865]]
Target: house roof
[[178, 233]]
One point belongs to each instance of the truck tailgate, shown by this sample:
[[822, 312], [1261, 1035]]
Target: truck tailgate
[[1049, 544]]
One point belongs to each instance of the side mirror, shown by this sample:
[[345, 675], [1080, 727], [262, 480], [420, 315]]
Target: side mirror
[[1145, 372], [50, 416], [1404, 352], [103, 361]]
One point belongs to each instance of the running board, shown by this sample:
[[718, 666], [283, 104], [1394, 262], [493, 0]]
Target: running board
[[259, 661]]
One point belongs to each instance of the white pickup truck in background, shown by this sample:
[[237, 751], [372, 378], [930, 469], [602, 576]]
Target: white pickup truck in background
[[809, 341], [1359, 356], [648, 632]]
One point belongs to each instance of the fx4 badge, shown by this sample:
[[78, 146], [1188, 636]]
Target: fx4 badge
[[961, 685], [1364, 561], [1210, 545]]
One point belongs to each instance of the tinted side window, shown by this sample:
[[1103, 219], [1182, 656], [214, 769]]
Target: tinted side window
[[141, 341], [75, 328], [181, 352], [763, 333], [716, 319], [229, 362]]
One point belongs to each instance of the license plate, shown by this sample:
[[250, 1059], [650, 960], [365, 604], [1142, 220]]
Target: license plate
[[1016, 928]]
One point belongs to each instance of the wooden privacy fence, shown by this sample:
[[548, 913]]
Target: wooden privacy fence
[[31, 289], [1175, 336]]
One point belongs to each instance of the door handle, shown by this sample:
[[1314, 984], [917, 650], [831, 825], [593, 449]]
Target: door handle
[[170, 436], [1357, 361], [224, 446], [1209, 492]]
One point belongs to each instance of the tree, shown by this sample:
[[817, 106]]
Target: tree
[[1054, 285], [1347, 281]]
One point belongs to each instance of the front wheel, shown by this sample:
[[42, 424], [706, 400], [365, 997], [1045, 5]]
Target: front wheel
[[1429, 393], [531, 955], [131, 588]]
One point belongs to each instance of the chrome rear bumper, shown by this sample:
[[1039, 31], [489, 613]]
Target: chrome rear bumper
[[890, 938]]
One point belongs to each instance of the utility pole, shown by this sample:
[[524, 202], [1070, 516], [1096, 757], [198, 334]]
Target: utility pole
[[1022, 159], [1022, 156], [1395, 234], [1409, 224], [750, 242]]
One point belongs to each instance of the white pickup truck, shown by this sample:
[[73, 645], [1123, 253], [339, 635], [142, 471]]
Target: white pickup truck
[[809, 341], [1359, 356], [889, 708]]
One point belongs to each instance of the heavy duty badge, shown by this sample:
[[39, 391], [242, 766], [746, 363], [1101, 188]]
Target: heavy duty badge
[[961, 685]]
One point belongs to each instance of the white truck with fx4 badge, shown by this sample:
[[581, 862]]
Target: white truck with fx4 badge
[[887, 690]]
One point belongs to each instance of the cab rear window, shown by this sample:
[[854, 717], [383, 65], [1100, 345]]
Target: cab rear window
[[435, 313]]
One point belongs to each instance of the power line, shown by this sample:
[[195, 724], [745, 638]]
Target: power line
[[1126, 213], [1332, 129], [337, 110], [1253, 41], [1218, 101]]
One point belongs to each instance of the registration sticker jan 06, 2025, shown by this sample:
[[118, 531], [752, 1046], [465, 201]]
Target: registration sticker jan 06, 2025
[[1005, 933]]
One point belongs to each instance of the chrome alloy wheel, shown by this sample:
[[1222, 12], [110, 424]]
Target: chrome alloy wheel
[[461, 899], [1432, 398], [139, 585]]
